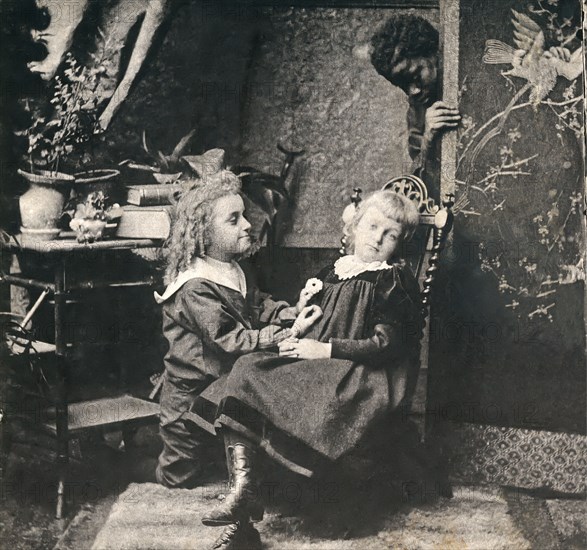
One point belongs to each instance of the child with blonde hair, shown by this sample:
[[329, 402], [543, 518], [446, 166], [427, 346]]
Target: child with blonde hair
[[324, 395]]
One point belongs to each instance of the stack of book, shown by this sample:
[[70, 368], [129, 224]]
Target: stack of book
[[148, 212]]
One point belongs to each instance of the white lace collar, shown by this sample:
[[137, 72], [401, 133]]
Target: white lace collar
[[223, 273], [351, 266]]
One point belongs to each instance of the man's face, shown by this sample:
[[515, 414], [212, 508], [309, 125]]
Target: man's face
[[417, 78], [229, 229]]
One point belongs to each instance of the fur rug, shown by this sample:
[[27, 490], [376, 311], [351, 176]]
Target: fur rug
[[150, 516]]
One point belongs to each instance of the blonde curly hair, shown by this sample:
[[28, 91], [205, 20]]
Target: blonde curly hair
[[393, 205], [189, 231]]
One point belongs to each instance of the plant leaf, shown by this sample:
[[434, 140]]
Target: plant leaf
[[267, 180], [256, 189], [145, 147], [163, 161], [210, 162], [182, 144]]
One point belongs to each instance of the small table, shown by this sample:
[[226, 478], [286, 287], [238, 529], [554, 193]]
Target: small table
[[64, 420]]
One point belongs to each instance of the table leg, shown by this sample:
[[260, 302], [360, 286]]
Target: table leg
[[61, 402], [5, 444], [62, 439]]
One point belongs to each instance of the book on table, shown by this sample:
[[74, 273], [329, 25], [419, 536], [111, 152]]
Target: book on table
[[152, 195], [145, 222]]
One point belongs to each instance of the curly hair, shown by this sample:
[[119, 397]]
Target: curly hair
[[189, 231], [402, 37], [393, 205]]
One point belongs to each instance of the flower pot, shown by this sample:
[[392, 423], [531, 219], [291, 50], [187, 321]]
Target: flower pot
[[46, 234], [105, 180], [165, 179], [41, 205]]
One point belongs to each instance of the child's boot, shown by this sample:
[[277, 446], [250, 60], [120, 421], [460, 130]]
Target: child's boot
[[238, 536], [243, 502]]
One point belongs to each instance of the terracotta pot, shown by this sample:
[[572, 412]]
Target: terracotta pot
[[92, 181], [42, 204]]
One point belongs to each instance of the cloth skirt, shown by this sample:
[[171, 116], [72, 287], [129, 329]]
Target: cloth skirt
[[300, 412]]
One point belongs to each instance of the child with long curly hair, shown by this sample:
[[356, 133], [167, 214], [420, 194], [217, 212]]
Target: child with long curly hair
[[211, 315]]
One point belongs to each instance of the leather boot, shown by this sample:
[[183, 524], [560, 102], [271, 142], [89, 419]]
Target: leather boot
[[238, 536], [243, 502]]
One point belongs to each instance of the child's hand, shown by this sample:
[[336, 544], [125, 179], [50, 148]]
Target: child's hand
[[304, 349], [313, 287], [307, 317], [305, 296], [440, 116]]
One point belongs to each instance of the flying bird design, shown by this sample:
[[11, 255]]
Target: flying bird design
[[530, 61]]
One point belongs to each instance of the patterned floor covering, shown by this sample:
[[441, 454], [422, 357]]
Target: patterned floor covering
[[531, 459]]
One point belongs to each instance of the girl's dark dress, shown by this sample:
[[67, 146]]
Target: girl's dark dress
[[302, 411]]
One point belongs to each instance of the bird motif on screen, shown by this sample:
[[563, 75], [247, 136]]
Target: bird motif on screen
[[530, 61]]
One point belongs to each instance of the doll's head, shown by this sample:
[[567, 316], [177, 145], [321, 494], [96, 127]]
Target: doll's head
[[209, 220], [381, 224], [405, 52]]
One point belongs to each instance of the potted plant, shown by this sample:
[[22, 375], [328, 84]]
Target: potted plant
[[164, 168], [91, 218], [52, 137]]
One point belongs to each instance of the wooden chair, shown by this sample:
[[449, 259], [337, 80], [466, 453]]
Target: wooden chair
[[424, 456], [428, 242]]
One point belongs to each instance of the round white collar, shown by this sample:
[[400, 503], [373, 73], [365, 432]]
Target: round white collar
[[226, 274], [351, 266]]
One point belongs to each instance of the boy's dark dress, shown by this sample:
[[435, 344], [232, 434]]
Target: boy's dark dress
[[302, 411]]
